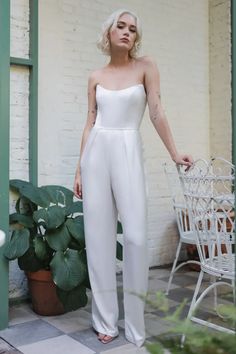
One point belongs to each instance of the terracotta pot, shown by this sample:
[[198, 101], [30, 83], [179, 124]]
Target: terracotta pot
[[44, 297]]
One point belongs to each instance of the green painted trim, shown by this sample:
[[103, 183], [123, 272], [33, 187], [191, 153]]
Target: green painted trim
[[21, 61], [33, 98], [233, 56], [233, 83], [4, 150]]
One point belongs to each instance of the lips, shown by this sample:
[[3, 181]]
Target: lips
[[125, 39]]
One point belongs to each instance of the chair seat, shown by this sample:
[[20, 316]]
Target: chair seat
[[223, 267], [188, 237]]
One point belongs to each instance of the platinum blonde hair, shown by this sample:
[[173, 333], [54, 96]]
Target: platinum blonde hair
[[103, 42]]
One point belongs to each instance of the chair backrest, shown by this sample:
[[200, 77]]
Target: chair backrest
[[178, 199], [208, 188]]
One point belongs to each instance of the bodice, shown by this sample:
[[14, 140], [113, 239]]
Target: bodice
[[120, 109]]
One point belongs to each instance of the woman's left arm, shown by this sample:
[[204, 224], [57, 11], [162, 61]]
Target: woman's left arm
[[157, 114]]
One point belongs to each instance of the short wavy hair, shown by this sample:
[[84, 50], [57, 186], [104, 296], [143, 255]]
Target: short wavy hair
[[103, 42]]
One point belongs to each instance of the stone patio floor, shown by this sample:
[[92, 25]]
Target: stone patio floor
[[71, 333]]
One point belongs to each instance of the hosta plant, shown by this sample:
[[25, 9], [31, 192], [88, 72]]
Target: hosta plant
[[47, 232]]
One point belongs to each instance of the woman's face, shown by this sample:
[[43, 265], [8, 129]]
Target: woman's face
[[124, 34]]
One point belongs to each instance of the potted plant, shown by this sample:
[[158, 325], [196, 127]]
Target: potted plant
[[47, 239], [198, 340]]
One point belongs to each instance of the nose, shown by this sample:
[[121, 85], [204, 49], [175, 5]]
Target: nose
[[126, 31]]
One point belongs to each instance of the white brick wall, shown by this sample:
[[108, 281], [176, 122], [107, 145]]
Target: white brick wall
[[19, 28], [220, 78], [176, 34], [19, 123], [19, 162], [19, 112]]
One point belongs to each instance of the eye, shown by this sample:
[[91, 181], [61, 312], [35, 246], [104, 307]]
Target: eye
[[132, 30]]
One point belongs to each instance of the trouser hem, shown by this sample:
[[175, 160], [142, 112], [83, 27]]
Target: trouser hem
[[138, 343], [112, 334]]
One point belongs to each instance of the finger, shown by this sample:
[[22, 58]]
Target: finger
[[76, 193], [183, 162]]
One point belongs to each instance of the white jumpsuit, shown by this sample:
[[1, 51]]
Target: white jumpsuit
[[113, 183]]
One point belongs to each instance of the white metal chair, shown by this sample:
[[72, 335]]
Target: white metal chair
[[186, 235], [208, 188]]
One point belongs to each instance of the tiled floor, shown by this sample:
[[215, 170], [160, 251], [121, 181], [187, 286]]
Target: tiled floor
[[71, 333]]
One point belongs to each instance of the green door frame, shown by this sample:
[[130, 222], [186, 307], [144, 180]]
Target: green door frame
[[32, 65], [233, 56], [4, 150]]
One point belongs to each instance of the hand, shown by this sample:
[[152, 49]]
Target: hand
[[185, 159], [77, 189]]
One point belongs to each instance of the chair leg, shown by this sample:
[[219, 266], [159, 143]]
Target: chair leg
[[212, 281], [173, 267], [233, 286], [194, 299]]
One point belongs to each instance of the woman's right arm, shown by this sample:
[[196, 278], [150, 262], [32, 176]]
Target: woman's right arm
[[91, 118]]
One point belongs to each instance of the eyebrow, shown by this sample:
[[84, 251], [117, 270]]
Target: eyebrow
[[124, 23]]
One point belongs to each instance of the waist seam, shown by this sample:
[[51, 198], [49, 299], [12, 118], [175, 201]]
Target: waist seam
[[113, 128]]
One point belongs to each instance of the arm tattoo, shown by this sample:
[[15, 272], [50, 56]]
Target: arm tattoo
[[157, 92], [155, 113], [93, 110]]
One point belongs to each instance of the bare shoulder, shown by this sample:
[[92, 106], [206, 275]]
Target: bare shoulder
[[93, 78], [148, 63], [96, 76]]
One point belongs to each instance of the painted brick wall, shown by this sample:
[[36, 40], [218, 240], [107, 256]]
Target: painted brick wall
[[220, 78], [19, 112], [19, 162], [19, 46], [176, 35]]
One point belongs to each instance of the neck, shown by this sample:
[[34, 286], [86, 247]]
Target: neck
[[119, 58]]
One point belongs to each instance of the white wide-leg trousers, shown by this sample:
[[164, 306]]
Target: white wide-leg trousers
[[113, 181]]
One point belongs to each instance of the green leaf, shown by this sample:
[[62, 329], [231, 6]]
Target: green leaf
[[25, 206], [76, 207], [76, 229], [119, 228], [29, 191], [73, 299], [68, 269], [24, 220], [154, 348], [29, 261], [58, 194], [119, 251], [58, 239], [50, 218], [41, 248], [83, 257], [74, 245], [18, 244]]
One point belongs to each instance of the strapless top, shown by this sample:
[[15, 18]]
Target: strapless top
[[120, 109]]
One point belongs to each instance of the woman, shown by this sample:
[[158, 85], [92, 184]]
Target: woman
[[111, 174]]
